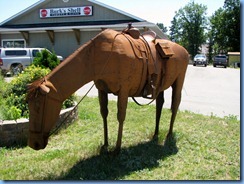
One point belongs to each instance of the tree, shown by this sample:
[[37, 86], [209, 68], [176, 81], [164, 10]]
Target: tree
[[188, 27], [210, 47], [174, 34], [162, 27], [225, 27]]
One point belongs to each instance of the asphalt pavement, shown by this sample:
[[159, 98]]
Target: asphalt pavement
[[207, 90]]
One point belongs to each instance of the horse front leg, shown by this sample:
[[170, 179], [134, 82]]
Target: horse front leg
[[103, 101], [121, 105], [159, 106]]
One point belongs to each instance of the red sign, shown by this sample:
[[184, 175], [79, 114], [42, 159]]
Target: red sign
[[43, 13], [87, 10]]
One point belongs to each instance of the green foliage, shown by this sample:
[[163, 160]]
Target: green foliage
[[162, 27], [14, 113], [188, 27], [69, 102], [225, 27], [45, 59], [7, 111], [191, 28], [2, 85], [14, 96], [2, 90]]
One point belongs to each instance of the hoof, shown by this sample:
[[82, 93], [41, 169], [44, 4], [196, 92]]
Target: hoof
[[104, 149], [169, 136], [115, 152], [155, 137]]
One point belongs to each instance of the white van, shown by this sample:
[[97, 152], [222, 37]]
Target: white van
[[15, 60]]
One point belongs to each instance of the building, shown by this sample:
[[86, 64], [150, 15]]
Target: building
[[234, 59], [64, 25]]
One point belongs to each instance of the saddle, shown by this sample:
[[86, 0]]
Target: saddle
[[162, 47], [149, 89]]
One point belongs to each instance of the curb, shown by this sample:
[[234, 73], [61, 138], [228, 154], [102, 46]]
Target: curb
[[16, 132]]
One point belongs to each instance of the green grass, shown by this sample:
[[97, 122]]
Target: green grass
[[203, 148]]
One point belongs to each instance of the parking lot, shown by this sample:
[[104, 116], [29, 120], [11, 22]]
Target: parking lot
[[212, 91], [207, 90]]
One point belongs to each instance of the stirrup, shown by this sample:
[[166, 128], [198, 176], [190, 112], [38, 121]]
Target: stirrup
[[149, 96]]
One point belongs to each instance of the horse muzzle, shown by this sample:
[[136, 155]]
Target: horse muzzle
[[37, 141]]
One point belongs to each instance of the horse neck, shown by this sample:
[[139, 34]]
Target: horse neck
[[73, 73]]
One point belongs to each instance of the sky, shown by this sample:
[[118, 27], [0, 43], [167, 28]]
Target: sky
[[155, 11]]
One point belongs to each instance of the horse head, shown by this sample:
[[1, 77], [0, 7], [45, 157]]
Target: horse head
[[44, 107]]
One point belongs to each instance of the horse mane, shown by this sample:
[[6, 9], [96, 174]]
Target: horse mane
[[32, 88]]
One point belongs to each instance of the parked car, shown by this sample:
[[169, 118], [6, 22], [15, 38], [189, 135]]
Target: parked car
[[200, 59], [220, 60], [15, 60]]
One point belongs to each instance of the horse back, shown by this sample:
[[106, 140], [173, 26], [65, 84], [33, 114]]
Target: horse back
[[174, 67]]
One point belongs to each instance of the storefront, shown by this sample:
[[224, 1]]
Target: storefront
[[64, 25]]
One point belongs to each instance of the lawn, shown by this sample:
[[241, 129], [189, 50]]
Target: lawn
[[203, 148]]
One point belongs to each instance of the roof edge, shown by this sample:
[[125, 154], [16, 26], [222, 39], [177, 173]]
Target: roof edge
[[92, 1], [117, 10]]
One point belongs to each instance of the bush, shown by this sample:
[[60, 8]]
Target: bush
[[2, 85], [13, 94], [2, 90], [45, 59], [14, 103]]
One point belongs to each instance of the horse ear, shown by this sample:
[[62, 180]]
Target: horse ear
[[44, 89]]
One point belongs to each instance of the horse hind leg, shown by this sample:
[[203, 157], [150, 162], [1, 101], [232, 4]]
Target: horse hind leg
[[176, 99], [103, 101], [159, 106]]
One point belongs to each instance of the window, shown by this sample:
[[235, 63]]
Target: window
[[15, 52], [18, 43], [223, 57], [34, 53]]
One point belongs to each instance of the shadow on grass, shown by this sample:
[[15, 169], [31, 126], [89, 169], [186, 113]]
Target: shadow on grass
[[135, 158], [14, 144]]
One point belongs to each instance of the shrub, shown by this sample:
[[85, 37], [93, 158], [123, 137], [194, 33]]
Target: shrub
[[13, 94], [14, 103], [46, 59], [2, 85], [2, 90]]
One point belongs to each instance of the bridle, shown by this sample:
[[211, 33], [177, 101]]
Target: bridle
[[42, 124], [46, 97]]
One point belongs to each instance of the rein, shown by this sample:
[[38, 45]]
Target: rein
[[142, 104], [75, 107]]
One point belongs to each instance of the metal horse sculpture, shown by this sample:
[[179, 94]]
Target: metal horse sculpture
[[118, 64]]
